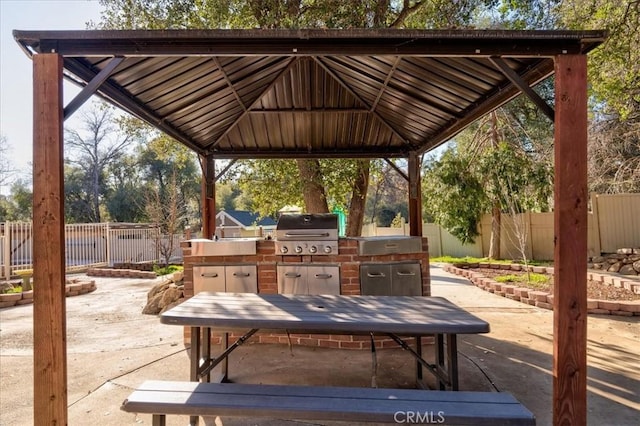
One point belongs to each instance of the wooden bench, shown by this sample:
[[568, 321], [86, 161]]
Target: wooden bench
[[349, 404]]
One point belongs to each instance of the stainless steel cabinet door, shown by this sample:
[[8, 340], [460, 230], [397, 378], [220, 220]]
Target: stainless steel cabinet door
[[292, 279], [323, 279], [375, 279], [406, 279], [241, 279], [208, 278]]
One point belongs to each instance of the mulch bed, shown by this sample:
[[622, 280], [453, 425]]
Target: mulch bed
[[595, 289]]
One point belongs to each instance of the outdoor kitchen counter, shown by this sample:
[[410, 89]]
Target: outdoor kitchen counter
[[349, 259]]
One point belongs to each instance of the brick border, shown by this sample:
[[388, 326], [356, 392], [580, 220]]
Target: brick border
[[121, 273], [542, 299], [72, 288]]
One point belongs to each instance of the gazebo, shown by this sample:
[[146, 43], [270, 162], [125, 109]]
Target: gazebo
[[232, 94]]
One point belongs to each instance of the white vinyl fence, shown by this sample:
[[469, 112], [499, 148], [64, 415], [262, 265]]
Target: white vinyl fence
[[86, 245]]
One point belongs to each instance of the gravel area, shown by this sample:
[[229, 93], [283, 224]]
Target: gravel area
[[595, 289]]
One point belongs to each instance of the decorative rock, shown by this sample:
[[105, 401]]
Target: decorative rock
[[628, 270], [615, 267], [615, 257], [598, 265], [636, 266], [598, 259], [163, 295], [625, 251], [4, 286]]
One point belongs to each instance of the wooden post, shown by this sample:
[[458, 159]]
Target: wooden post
[[415, 196], [49, 312], [570, 256], [208, 197]]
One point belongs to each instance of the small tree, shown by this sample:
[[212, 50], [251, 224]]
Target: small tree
[[167, 212]]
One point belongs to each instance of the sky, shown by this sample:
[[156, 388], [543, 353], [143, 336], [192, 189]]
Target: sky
[[16, 96]]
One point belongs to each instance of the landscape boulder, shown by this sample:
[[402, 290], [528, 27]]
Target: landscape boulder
[[163, 296]]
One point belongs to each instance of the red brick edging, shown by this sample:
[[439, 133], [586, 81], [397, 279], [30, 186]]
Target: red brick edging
[[543, 299], [26, 297]]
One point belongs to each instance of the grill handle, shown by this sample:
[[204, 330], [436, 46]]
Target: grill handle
[[376, 275], [306, 235], [406, 274], [391, 246], [241, 274], [209, 274]]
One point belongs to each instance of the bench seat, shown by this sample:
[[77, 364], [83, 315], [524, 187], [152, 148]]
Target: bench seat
[[350, 404]]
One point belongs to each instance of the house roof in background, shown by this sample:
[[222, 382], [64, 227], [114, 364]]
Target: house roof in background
[[308, 93], [247, 218]]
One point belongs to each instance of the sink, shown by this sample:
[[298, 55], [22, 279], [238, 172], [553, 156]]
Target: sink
[[223, 247]]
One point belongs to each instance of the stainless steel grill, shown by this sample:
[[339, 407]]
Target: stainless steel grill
[[307, 234]]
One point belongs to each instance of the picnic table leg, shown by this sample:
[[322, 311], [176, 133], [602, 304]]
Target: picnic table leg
[[447, 362], [452, 360], [225, 363], [206, 351], [419, 377], [195, 367]]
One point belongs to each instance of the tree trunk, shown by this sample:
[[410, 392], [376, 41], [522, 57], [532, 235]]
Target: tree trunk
[[358, 199], [494, 245], [315, 199]]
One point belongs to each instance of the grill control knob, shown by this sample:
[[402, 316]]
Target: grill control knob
[[313, 249], [327, 249], [298, 249], [284, 249]]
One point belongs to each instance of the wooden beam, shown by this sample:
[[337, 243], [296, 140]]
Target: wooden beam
[[570, 256], [208, 196], [415, 196], [515, 78], [49, 311], [92, 87]]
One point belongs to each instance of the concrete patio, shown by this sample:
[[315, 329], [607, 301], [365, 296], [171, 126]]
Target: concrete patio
[[112, 348]]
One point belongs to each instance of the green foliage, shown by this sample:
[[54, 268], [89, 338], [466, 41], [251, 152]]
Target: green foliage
[[18, 205], [533, 278], [16, 289], [169, 269], [453, 195], [397, 221], [614, 68]]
